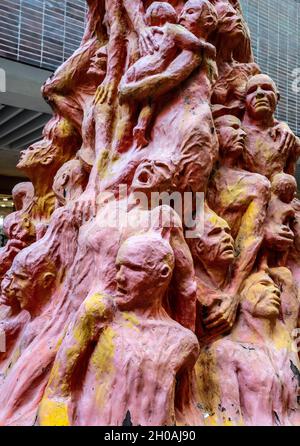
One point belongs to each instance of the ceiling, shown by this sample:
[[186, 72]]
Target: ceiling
[[18, 129]]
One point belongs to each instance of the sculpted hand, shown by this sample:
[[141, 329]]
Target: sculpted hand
[[147, 40], [287, 137], [84, 208], [209, 50], [105, 93], [222, 313]]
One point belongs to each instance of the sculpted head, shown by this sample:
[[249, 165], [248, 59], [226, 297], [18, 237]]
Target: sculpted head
[[231, 22], [278, 234], [145, 265], [261, 97], [98, 64], [154, 176], [199, 16], [30, 280], [160, 13], [215, 246], [231, 136], [70, 181], [232, 33], [260, 296], [19, 226], [22, 194], [59, 143], [284, 186]]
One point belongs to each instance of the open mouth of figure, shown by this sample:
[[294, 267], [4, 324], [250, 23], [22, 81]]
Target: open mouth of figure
[[121, 290], [144, 177], [227, 250], [276, 302], [288, 236]]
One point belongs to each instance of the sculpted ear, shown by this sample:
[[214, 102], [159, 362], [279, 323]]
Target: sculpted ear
[[165, 271], [200, 247], [278, 96], [47, 280], [48, 160]]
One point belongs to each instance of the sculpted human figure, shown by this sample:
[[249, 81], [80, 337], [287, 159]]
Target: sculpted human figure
[[32, 289], [239, 197], [255, 369], [271, 147], [93, 268], [194, 144], [41, 162], [294, 258], [70, 182], [171, 39], [278, 234], [17, 226], [213, 254], [234, 58], [120, 217], [130, 341]]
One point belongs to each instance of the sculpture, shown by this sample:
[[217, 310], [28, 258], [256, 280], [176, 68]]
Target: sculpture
[[132, 324], [17, 226], [122, 300], [271, 147], [255, 369], [213, 254]]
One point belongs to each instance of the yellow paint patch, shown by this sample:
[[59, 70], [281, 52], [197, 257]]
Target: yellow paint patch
[[95, 304], [103, 362], [131, 320], [103, 163], [53, 413]]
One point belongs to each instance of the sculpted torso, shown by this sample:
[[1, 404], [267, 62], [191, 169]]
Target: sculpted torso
[[257, 368], [132, 364]]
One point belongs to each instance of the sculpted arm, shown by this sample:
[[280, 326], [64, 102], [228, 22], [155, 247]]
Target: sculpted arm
[[293, 158], [185, 287], [186, 40], [135, 10], [250, 235], [159, 84], [60, 89], [70, 73], [89, 322]]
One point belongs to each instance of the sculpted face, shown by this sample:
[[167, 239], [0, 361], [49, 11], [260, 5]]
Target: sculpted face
[[261, 297], [144, 268], [22, 194], [215, 245], [24, 285], [35, 155], [69, 182], [60, 140], [262, 97], [152, 175], [19, 226], [197, 15], [98, 64], [17, 286], [231, 135], [230, 20], [279, 236]]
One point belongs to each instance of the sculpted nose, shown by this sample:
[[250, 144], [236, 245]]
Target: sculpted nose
[[260, 92], [120, 277]]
